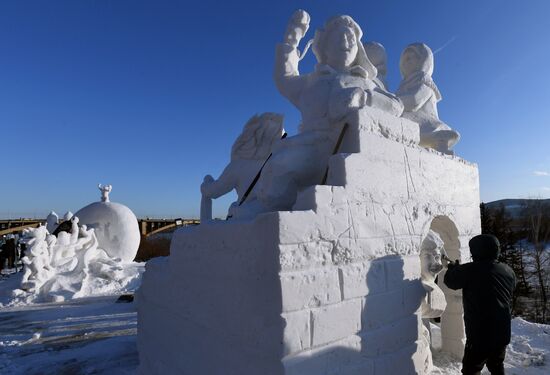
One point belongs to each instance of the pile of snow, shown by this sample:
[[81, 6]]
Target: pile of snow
[[71, 265]]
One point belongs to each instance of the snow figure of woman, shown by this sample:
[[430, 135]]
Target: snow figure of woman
[[341, 83], [249, 152], [420, 95]]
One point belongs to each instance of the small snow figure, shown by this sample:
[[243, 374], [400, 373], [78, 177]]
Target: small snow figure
[[420, 96], [105, 190], [487, 287]]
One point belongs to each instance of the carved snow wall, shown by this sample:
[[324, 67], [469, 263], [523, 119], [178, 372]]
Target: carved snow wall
[[330, 287]]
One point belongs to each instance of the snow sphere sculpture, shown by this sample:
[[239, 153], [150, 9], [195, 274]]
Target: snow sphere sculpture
[[115, 226]]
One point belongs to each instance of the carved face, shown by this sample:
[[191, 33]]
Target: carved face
[[410, 62], [341, 47], [430, 262], [415, 58]]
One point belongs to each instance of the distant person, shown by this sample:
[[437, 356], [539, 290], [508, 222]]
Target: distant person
[[10, 249], [487, 287], [2, 257]]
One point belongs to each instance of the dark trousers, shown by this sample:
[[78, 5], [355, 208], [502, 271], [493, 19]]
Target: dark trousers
[[476, 356]]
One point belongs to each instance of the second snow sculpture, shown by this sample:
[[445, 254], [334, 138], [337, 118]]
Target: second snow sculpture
[[71, 265], [249, 152], [420, 95], [75, 261]]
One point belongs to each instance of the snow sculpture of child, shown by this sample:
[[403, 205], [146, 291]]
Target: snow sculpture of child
[[420, 95], [341, 83], [249, 152]]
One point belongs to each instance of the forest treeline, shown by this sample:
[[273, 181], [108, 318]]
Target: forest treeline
[[523, 229]]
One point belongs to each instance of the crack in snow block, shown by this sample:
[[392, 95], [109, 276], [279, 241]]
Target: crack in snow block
[[330, 287]]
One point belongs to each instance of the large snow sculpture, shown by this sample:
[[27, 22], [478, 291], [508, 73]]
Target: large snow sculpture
[[71, 265], [115, 226], [420, 95], [341, 83], [334, 286], [249, 152]]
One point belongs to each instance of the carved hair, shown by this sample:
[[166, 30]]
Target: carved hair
[[322, 34], [432, 242], [258, 136]]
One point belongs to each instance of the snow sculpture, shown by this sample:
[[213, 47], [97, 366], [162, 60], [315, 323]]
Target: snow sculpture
[[71, 265], [51, 221], [420, 95], [328, 277], [430, 262], [115, 225], [37, 258], [249, 152], [434, 304], [341, 83], [377, 55], [105, 190]]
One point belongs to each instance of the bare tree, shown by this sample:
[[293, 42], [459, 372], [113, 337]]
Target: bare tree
[[499, 222], [536, 213]]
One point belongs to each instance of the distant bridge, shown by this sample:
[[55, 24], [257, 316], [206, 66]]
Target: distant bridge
[[147, 227], [18, 225]]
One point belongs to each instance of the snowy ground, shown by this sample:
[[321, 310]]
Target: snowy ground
[[86, 336], [98, 336]]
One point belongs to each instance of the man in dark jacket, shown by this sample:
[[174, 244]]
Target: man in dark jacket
[[487, 286]]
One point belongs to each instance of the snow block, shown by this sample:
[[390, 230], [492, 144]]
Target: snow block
[[330, 287]]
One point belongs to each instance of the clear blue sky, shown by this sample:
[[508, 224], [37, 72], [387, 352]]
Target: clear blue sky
[[149, 95]]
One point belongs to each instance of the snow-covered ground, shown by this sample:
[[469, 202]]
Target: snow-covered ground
[[86, 336], [98, 336]]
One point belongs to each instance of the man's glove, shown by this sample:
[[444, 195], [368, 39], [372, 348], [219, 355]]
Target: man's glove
[[452, 265]]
